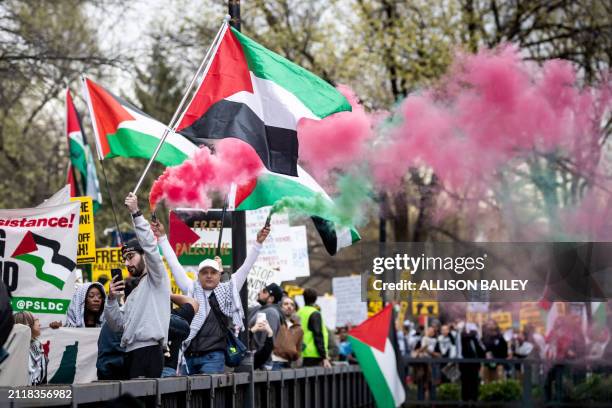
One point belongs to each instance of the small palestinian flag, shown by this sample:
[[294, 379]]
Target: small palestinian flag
[[271, 187], [255, 95], [123, 130], [374, 343], [81, 158]]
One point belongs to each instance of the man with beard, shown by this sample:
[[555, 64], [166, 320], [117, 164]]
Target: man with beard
[[219, 304], [268, 299], [145, 316]]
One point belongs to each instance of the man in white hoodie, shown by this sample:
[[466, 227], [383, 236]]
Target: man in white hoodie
[[145, 316]]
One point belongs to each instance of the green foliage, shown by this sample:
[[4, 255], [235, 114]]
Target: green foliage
[[596, 388], [508, 390], [448, 392]]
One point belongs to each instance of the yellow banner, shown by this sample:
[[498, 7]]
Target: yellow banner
[[503, 319], [86, 247], [106, 260], [110, 258], [425, 308]]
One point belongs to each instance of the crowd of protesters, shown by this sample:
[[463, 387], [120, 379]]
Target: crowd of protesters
[[566, 342], [146, 331]]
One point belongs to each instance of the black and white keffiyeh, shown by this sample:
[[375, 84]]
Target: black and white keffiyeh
[[229, 303]]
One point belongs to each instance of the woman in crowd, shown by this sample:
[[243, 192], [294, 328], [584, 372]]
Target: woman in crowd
[[38, 360], [86, 307]]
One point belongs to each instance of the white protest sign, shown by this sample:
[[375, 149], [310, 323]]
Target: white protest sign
[[327, 306], [258, 277], [350, 309], [38, 249], [299, 244], [277, 251], [73, 353]]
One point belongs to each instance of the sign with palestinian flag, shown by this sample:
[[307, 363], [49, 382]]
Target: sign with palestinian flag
[[258, 96], [38, 248], [73, 353], [375, 345], [123, 130]]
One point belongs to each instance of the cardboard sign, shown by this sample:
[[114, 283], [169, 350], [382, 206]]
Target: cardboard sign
[[107, 259], [86, 247]]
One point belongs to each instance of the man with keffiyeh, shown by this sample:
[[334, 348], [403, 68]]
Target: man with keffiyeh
[[204, 347]]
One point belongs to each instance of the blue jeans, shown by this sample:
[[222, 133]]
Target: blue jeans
[[279, 365], [168, 372], [209, 363]]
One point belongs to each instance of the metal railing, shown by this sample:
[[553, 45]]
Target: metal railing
[[542, 383], [312, 387]]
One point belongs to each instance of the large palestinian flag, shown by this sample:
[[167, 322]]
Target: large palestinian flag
[[81, 158], [123, 130], [374, 344], [271, 187], [255, 95]]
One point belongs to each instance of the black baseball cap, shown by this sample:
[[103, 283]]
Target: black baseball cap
[[131, 245], [275, 291]]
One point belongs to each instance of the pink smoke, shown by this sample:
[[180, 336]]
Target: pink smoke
[[336, 141], [191, 183], [491, 108]]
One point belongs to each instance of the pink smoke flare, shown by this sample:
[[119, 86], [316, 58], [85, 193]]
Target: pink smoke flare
[[191, 183]]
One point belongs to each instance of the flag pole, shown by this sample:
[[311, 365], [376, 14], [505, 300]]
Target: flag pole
[[110, 198], [204, 65]]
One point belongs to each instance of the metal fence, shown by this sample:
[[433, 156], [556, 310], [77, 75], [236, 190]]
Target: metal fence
[[542, 383], [312, 387]]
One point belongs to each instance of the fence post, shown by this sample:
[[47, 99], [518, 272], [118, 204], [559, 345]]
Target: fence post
[[527, 388]]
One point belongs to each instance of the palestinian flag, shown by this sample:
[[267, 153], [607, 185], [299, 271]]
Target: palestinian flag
[[374, 344], [255, 95], [123, 130], [271, 187], [81, 158]]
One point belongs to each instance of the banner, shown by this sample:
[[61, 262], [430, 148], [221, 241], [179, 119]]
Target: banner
[[350, 310], [73, 353], [86, 249], [194, 234], [106, 260], [38, 258]]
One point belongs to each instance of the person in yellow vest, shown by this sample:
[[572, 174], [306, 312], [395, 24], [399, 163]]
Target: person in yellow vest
[[316, 337]]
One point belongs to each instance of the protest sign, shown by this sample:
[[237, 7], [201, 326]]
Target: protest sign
[[257, 278], [107, 259], [300, 265], [349, 307], [327, 305], [86, 249], [194, 234], [425, 308], [503, 319], [73, 353], [38, 249], [285, 250], [532, 314]]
